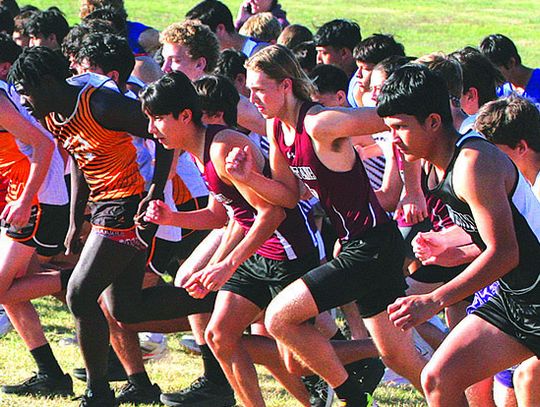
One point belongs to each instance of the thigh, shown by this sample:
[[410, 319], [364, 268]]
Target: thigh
[[294, 304], [474, 340], [100, 263], [15, 260], [229, 304]]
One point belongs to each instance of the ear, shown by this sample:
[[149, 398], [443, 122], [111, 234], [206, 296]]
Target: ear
[[512, 63], [220, 30], [200, 64], [345, 53], [114, 75], [433, 122], [522, 147], [185, 116], [341, 97], [51, 38], [287, 84]]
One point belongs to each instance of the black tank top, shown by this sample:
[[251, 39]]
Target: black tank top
[[523, 282]]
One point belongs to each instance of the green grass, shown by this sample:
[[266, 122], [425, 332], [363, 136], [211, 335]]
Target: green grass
[[174, 371], [422, 26]]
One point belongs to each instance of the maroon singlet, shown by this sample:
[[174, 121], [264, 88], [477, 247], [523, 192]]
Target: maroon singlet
[[347, 197], [293, 239]]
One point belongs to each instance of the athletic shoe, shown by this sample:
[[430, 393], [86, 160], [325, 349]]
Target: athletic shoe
[[115, 370], [90, 399], [42, 384], [5, 324], [133, 394], [153, 345], [190, 345], [69, 341], [367, 401], [201, 393], [320, 393]]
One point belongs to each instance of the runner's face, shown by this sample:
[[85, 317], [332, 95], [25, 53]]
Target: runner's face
[[408, 136], [165, 129], [329, 55], [378, 77], [363, 73], [265, 93], [177, 58], [32, 99], [260, 6]]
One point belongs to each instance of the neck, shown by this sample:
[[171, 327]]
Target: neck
[[521, 76], [458, 117], [530, 167], [195, 142], [443, 150], [63, 99], [233, 40], [290, 111]]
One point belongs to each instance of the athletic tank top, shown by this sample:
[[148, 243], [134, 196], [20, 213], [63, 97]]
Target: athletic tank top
[[523, 281], [15, 160], [347, 197], [249, 46], [107, 158], [293, 238]]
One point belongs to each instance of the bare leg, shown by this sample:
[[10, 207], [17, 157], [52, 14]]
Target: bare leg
[[527, 383], [455, 365], [224, 335]]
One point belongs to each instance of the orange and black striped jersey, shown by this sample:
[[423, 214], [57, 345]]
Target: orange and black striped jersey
[[107, 158], [14, 166]]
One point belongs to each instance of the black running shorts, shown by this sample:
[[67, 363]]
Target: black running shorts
[[260, 279], [368, 270], [46, 229], [518, 319]]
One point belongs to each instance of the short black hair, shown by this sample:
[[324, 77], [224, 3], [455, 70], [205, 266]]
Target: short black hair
[[116, 16], [499, 49], [171, 94], [508, 120], [35, 64], [218, 94], [12, 6], [391, 64], [416, 91], [329, 79], [109, 52], [72, 41], [47, 22], [9, 50], [374, 49], [231, 64], [478, 72], [7, 24], [306, 54], [212, 13], [338, 33]]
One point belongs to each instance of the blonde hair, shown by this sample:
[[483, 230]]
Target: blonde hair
[[197, 38], [88, 6], [262, 27], [279, 63]]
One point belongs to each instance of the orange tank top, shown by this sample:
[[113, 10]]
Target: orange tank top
[[107, 158], [14, 166]]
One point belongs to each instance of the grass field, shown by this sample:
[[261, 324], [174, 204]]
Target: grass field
[[172, 372], [422, 26]]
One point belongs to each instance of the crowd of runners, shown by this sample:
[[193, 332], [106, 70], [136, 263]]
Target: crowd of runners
[[242, 178]]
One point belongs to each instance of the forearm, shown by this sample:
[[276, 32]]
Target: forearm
[[39, 168], [79, 196], [232, 236], [273, 192], [484, 270], [265, 224], [201, 219], [162, 167], [389, 192]]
